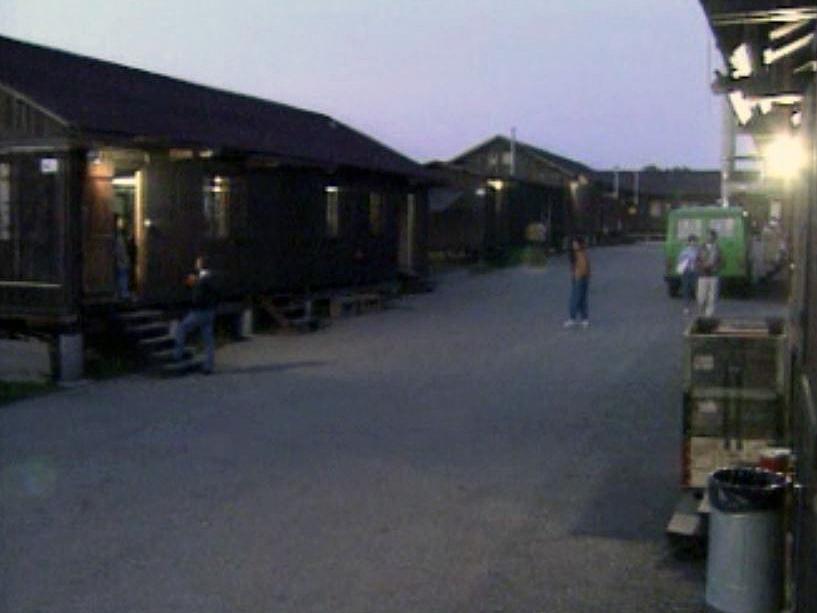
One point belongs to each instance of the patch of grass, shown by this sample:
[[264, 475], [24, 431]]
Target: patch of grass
[[108, 365], [11, 391]]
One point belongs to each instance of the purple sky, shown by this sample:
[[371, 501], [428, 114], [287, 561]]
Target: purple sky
[[605, 82]]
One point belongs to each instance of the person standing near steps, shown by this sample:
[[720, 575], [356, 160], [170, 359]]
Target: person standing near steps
[[202, 314], [580, 284]]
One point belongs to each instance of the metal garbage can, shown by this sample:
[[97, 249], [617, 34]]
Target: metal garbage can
[[744, 571]]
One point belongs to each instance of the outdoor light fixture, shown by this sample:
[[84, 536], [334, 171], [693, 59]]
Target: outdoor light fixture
[[331, 189], [741, 61], [124, 181], [480, 191], [496, 184], [785, 157], [218, 185], [770, 56]]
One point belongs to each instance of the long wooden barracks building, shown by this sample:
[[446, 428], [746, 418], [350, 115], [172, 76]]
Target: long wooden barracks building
[[279, 198], [493, 192]]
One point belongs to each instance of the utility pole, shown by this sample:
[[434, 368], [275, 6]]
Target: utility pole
[[728, 152]]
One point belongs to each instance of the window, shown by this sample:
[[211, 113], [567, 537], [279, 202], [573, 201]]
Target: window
[[217, 206], [332, 212], [5, 202], [376, 213], [689, 227], [725, 227]]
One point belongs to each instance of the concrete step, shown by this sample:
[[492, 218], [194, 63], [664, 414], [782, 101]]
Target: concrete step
[[155, 343], [139, 315], [150, 329]]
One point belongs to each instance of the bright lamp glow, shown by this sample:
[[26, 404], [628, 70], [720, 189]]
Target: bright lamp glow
[[785, 157], [125, 181]]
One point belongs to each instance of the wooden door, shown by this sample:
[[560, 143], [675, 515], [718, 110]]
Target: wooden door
[[98, 233]]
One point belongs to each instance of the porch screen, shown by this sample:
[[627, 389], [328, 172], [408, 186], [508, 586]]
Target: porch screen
[[30, 221]]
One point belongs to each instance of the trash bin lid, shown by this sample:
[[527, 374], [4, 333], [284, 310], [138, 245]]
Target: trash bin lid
[[742, 490]]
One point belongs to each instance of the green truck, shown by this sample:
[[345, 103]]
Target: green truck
[[734, 239]]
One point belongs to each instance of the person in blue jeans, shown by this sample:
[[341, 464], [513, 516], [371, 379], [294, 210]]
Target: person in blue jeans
[[687, 264], [580, 284], [202, 315]]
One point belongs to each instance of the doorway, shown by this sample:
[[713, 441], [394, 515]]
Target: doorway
[[114, 258], [124, 209]]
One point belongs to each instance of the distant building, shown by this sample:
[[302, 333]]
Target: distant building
[[649, 194], [494, 191]]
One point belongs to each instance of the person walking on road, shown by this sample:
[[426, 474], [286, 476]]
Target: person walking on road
[[687, 268], [202, 314], [580, 283], [708, 265]]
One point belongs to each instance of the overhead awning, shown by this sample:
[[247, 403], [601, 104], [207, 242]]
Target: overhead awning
[[769, 48]]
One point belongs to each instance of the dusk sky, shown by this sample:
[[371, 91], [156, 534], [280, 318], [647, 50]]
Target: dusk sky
[[605, 82]]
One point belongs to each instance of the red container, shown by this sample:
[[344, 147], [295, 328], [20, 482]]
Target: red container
[[775, 459]]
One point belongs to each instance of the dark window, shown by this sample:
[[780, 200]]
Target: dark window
[[376, 213]]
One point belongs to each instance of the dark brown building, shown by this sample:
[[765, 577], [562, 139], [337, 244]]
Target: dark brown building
[[281, 199]]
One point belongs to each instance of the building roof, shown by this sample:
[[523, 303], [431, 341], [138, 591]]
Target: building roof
[[559, 162], [103, 98], [665, 183]]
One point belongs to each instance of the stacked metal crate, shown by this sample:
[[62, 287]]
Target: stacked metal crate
[[736, 389]]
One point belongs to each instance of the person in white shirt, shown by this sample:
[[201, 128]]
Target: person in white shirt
[[709, 265]]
